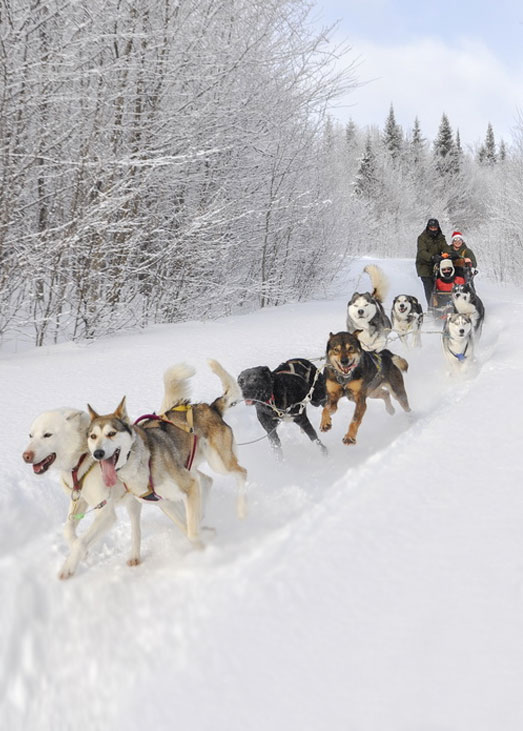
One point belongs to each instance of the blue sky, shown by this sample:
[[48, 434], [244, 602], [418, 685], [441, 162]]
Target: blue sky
[[461, 58]]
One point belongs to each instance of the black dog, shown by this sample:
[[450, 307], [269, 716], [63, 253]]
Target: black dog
[[283, 394]]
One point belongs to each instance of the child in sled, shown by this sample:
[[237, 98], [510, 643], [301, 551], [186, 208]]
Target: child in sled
[[446, 278]]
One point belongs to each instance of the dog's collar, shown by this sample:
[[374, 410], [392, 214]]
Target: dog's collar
[[77, 485], [460, 356], [78, 481]]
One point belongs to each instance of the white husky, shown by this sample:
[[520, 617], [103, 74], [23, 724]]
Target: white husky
[[58, 439], [458, 342]]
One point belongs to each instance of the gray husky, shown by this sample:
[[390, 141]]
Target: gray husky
[[458, 342], [157, 459]]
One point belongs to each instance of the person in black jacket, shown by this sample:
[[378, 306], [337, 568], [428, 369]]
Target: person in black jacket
[[431, 243]]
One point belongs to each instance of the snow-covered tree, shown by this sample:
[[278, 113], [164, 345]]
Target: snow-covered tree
[[444, 148], [392, 135]]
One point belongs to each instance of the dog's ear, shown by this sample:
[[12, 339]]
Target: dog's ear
[[92, 412], [121, 411], [74, 415]]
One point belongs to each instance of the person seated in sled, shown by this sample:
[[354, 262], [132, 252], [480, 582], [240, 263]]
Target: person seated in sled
[[447, 276], [463, 257]]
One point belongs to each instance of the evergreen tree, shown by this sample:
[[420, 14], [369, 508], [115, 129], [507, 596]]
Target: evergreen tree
[[417, 138], [392, 135], [490, 157], [366, 180], [417, 144], [457, 153], [351, 134], [502, 150], [444, 148], [480, 155]]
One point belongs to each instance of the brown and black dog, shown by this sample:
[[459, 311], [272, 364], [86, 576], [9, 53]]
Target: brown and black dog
[[356, 373]]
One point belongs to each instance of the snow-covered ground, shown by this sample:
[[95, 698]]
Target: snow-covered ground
[[379, 589]]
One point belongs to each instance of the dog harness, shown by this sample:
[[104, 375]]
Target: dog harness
[[151, 495], [459, 356], [77, 488], [291, 370]]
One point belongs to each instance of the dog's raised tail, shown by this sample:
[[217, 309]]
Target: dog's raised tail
[[231, 391], [379, 281], [400, 362], [176, 385]]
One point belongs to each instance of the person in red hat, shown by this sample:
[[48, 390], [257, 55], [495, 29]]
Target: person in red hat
[[462, 255]]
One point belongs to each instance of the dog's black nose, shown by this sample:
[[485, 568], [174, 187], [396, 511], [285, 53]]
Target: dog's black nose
[[98, 454], [462, 332], [360, 312]]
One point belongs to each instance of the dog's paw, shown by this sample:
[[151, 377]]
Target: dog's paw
[[323, 448], [133, 561], [348, 439], [325, 426], [198, 544], [65, 573], [241, 507], [278, 452]]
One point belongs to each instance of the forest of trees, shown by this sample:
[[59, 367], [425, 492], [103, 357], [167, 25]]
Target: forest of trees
[[175, 160]]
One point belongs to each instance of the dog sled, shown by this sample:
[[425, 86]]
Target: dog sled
[[448, 270]]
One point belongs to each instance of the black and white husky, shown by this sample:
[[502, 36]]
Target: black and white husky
[[365, 312], [458, 342], [467, 302], [407, 317]]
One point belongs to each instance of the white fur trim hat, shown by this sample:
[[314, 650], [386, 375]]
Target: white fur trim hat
[[446, 264]]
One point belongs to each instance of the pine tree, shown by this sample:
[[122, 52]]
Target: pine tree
[[444, 148], [351, 134], [417, 138], [392, 135], [480, 155], [457, 153], [417, 144], [502, 151], [490, 147], [366, 180]]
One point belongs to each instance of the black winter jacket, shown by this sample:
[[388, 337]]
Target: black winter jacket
[[429, 246]]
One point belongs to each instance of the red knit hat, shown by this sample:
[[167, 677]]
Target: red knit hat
[[457, 235]]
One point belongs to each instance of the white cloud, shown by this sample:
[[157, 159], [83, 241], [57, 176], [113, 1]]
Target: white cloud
[[426, 78]]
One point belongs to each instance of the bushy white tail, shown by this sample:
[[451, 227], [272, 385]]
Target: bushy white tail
[[176, 385], [379, 282], [231, 390]]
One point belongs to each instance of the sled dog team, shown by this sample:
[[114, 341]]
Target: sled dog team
[[107, 460]]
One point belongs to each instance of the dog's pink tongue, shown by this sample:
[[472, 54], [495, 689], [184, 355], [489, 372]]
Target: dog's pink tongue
[[108, 472]]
